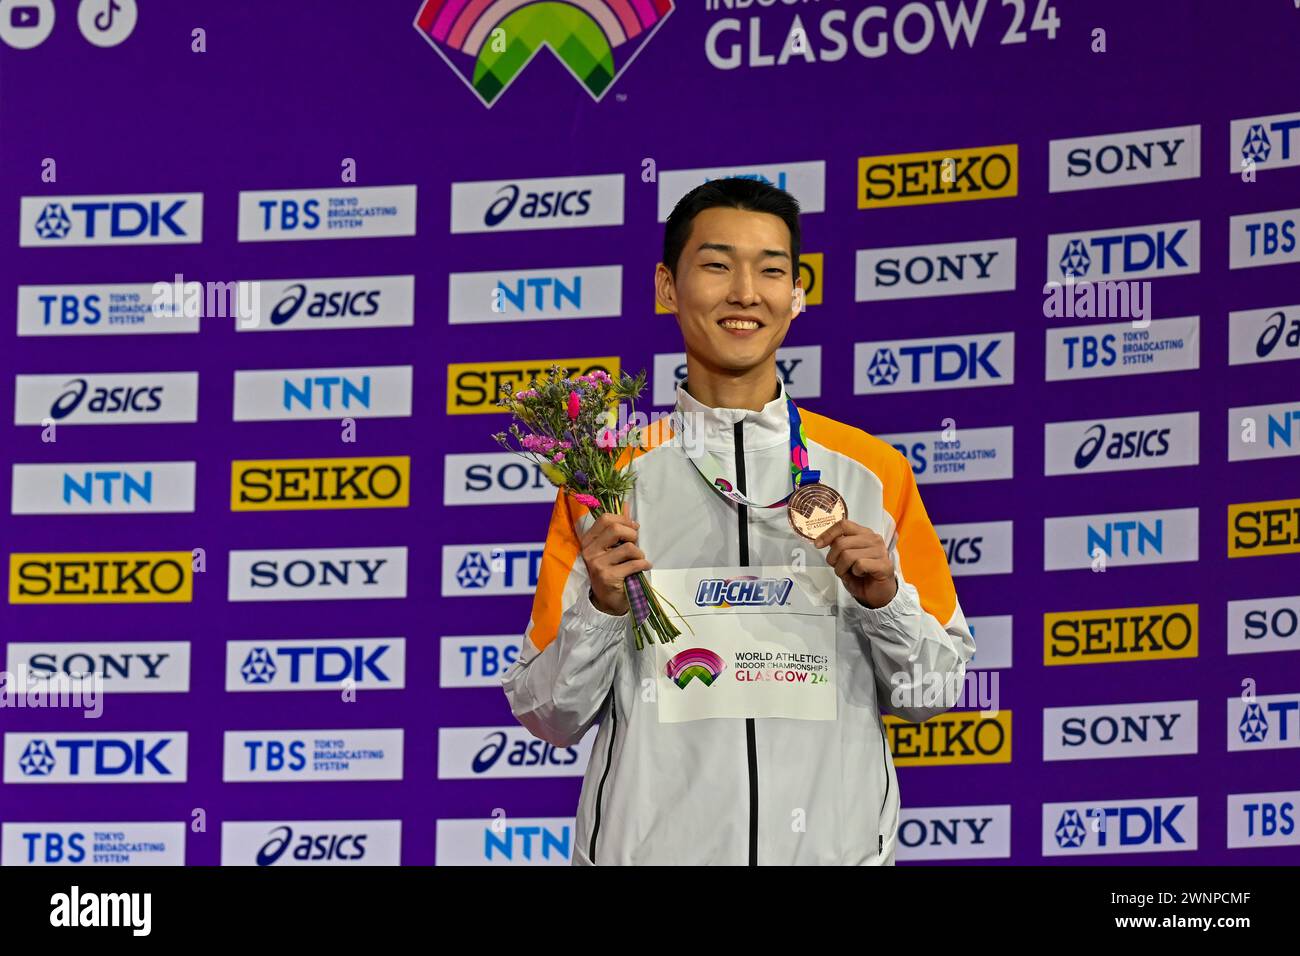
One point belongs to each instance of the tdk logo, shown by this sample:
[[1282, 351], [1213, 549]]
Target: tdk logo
[[1131, 826], [1162, 249], [111, 220], [1264, 141], [925, 364], [747, 591], [1264, 723], [376, 664], [491, 569], [95, 758], [530, 753]]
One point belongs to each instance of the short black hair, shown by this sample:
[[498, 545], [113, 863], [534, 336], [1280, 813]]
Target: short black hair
[[733, 193]]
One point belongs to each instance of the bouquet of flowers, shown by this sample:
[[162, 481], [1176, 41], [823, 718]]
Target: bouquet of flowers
[[568, 426]]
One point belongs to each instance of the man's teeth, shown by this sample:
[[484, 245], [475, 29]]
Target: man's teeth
[[739, 324]]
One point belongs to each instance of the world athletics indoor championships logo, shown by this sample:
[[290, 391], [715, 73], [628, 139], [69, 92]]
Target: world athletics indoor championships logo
[[694, 663], [490, 42]]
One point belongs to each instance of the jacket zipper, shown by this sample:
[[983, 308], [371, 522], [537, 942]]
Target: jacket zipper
[[600, 790], [751, 742], [884, 762]]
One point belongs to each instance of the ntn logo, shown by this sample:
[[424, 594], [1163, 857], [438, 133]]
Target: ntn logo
[[1145, 536], [559, 294], [505, 840], [350, 391], [132, 486]]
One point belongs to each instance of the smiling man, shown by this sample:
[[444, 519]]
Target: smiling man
[[812, 591]]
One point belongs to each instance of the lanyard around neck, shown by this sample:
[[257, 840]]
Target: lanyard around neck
[[711, 471]]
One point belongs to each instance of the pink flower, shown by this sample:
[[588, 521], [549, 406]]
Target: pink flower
[[587, 500], [558, 457], [575, 402], [606, 439]]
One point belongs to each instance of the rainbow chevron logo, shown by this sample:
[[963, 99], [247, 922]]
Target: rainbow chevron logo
[[694, 663], [490, 42]]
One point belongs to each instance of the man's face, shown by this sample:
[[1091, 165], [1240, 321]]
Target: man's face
[[736, 265]]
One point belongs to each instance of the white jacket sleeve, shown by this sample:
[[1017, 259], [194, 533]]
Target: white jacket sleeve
[[920, 642], [570, 651]]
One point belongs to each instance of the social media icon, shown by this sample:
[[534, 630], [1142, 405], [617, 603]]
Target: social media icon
[[106, 23], [26, 23]]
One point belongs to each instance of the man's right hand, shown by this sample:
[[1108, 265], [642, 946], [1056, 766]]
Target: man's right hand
[[609, 550]]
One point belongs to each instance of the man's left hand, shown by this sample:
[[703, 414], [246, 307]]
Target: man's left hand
[[861, 559]]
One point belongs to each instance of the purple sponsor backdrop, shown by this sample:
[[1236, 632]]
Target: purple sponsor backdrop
[[287, 90]]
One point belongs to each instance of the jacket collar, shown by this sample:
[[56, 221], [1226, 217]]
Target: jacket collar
[[714, 427]]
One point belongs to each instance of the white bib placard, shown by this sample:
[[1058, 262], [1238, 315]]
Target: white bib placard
[[755, 642]]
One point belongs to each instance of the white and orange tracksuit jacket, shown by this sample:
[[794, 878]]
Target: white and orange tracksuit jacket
[[730, 790]]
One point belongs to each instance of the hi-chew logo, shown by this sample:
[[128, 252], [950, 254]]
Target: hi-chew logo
[[377, 391], [101, 577], [1121, 444], [104, 487], [1264, 239], [505, 841], [967, 454], [481, 570], [800, 368], [1264, 141], [1269, 722], [595, 43], [506, 205], [311, 755], [472, 753], [916, 365], [377, 663], [110, 757], [311, 843], [949, 268], [1118, 540], [745, 591], [309, 305], [106, 399], [1263, 819], [1263, 431], [123, 220], [93, 844], [1124, 159], [1257, 528], [358, 212], [954, 833], [1131, 252], [472, 661], [1096, 351], [1264, 335], [299, 484], [982, 547], [912, 179], [1264, 624], [805, 181], [317, 574], [527, 295], [494, 478], [1119, 730], [1158, 825], [1114, 635], [125, 308], [134, 667]]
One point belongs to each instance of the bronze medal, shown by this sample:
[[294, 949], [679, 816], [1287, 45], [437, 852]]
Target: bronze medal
[[814, 508]]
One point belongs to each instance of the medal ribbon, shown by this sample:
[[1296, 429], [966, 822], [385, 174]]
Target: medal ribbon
[[710, 468]]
